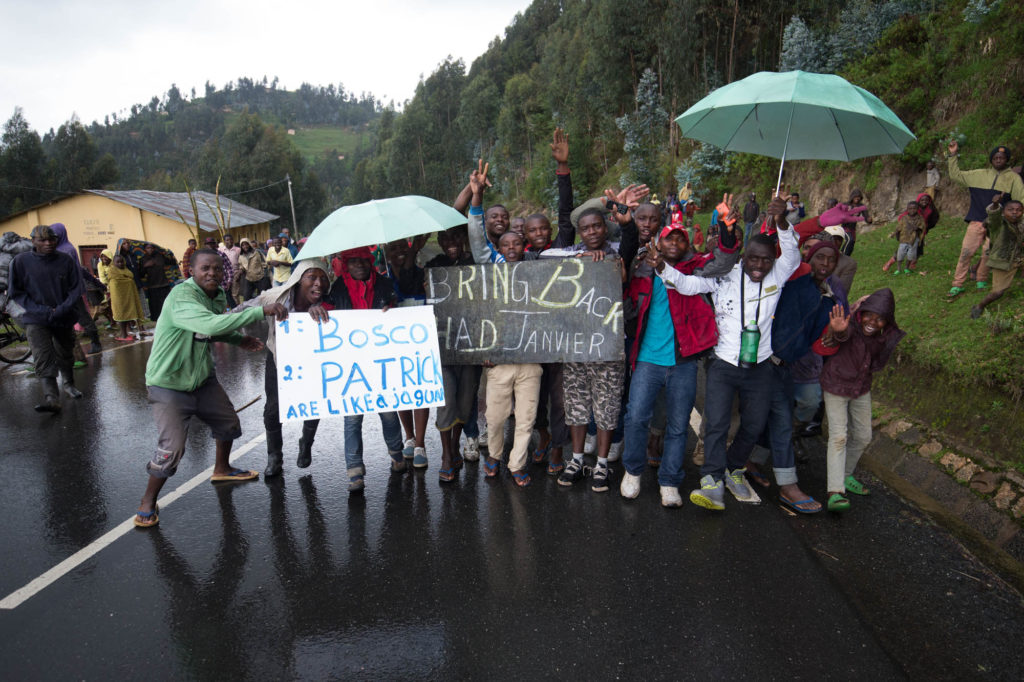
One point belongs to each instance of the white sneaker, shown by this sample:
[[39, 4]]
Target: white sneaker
[[670, 496], [615, 451], [408, 448], [630, 486], [589, 445], [471, 451], [736, 482], [482, 440]]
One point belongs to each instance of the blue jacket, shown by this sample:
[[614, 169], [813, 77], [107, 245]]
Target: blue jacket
[[47, 287], [801, 315]]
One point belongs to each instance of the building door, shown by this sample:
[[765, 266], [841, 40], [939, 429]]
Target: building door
[[90, 255]]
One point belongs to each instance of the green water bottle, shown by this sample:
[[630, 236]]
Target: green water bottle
[[750, 341]]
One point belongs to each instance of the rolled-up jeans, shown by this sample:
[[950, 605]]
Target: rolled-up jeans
[[389, 424], [680, 385]]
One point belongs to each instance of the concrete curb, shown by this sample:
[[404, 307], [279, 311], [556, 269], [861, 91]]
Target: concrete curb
[[980, 504]]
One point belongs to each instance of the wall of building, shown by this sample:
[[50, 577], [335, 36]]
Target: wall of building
[[94, 220]]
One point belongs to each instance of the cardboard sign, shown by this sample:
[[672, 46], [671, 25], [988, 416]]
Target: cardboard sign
[[360, 362], [557, 310]]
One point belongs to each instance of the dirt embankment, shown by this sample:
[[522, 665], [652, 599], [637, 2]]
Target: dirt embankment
[[886, 190]]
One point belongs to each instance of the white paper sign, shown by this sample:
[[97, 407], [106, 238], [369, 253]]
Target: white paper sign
[[360, 362]]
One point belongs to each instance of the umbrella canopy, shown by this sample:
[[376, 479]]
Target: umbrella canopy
[[378, 222], [796, 115]]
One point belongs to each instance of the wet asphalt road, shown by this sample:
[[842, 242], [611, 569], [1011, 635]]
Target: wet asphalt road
[[296, 580]]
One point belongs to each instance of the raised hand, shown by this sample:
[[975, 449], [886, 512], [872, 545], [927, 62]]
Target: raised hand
[[620, 218], [954, 147], [998, 199], [653, 257], [776, 212], [632, 195], [478, 181], [839, 320], [560, 146]]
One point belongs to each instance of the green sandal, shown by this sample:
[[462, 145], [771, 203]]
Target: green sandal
[[856, 487], [838, 503]]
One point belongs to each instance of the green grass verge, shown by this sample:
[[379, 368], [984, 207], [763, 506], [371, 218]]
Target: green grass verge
[[940, 334]]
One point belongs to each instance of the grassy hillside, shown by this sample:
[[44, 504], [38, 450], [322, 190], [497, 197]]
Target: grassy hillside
[[312, 142]]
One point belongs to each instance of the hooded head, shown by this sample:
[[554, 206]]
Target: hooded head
[[63, 245], [883, 304], [285, 293]]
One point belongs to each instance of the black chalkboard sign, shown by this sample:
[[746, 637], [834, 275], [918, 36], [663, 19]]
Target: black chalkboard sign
[[557, 310]]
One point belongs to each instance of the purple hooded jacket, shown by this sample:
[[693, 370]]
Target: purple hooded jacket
[[849, 371]]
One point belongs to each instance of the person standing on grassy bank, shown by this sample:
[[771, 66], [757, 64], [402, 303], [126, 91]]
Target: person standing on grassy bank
[[980, 183], [859, 345], [1006, 254], [909, 232]]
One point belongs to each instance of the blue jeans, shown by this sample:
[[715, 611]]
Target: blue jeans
[[808, 400], [680, 384], [391, 427], [780, 426], [754, 386]]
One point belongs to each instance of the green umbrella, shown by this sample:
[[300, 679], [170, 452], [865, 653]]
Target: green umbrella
[[796, 115], [379, 222]]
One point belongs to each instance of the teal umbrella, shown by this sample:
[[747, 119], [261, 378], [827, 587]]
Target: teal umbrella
[[796, 115], [379, 222]]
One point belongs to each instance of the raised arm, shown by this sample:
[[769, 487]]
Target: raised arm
[[477, 239], [560, 153]]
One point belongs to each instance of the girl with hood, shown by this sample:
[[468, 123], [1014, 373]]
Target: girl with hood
[[81, 311], [125, 303], [304, 291], [860, 345]]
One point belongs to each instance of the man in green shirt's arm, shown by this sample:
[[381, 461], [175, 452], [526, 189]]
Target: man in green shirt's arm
[[180, 378]]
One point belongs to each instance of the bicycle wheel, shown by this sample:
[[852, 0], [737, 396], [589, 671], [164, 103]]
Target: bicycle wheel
[[14, 346]]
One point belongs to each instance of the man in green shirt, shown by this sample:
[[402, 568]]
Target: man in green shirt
[[180, 377]]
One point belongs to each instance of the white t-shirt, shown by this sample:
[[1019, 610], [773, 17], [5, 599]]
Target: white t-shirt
[[725, 293]]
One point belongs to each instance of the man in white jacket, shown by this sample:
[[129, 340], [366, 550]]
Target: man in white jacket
[[749, 292]]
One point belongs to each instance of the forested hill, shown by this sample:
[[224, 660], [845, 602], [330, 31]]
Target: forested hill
[[945, 66], [238, 133], [613, 73]]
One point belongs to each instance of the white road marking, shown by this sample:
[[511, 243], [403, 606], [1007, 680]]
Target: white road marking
[[16, 598]]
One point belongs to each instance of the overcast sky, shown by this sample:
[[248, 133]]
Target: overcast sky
[[93, 58]]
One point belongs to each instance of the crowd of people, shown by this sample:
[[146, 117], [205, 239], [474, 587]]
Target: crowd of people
[[758, 301]]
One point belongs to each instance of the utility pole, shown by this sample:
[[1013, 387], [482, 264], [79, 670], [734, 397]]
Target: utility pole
[[291, 200]]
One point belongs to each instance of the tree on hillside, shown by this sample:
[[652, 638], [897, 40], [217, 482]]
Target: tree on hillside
[[74, 161], [800, 48], [645, 132], [22, 166]]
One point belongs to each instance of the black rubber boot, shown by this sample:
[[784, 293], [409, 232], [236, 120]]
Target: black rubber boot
[[51, 396], [95, 346], [275, 457], [305, 457]]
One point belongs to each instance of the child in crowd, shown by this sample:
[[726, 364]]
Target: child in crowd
[[125, 303], [859, 345], [408, 281], [360, 288], [1006, 254], [909, 229], [505, 382]]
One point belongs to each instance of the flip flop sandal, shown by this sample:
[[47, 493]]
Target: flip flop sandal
[[762, 480], [521, 478], [539, 454], [457, 462], [149, 519], [446, 475], [808, 505], [555, 469], [653, 461], [491, 468], [235, 476]]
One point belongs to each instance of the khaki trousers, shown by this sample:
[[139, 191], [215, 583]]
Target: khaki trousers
[[849, 433], [974, 238], [503, 383]]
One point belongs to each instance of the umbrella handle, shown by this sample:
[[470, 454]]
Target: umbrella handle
[[785, 148]]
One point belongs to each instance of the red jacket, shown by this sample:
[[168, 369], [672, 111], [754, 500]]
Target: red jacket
[[692, 316]]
